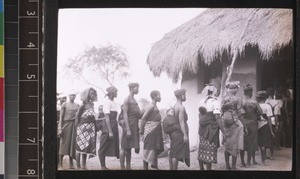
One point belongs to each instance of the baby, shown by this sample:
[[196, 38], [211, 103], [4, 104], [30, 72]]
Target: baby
[[170, 123]]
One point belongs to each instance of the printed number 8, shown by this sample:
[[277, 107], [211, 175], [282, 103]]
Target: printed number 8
[[30, 172]]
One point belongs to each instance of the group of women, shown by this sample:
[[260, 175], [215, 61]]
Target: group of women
[[244, 123]]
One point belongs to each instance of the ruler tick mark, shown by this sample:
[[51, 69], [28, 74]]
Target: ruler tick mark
[[28, 48], [33, 96], [31, 64], [28, 80], [26, 17], [33, 32], [28, 111], [28, 143], [33, 128], [32, 160]]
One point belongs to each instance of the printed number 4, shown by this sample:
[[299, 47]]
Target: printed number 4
[[30, 172], [30, 45]]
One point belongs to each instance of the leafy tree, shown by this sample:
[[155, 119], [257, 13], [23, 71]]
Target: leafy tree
[[96, 64]]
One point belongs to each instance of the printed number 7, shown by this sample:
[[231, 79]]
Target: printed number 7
[[31, 140]]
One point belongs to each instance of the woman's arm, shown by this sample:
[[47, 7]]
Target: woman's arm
[[61, 116], [78, 114], [182, 123], [125, 115], [145, 117], [219, 122]]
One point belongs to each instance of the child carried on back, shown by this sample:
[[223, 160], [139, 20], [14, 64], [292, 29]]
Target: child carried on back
[[170, 123]]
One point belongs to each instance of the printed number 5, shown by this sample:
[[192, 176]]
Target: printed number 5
[[30, 172], [29, 77], [31, 13]]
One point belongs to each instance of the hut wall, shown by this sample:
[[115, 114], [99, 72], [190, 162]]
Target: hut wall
[[244, 71], [189, 82]]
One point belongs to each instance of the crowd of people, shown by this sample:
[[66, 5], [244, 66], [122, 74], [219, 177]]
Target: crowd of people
[[246, 124]]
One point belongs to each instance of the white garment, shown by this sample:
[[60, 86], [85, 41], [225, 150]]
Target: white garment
[[108, 106], [266, 109], [211, 105]]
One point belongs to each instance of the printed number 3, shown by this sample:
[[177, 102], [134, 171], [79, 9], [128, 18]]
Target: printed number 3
[[31, 13], [30, 171]]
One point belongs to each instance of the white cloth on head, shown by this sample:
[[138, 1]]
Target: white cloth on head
[[209, 88]]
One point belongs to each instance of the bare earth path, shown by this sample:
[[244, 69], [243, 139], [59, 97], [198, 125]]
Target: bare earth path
[[283, 162]]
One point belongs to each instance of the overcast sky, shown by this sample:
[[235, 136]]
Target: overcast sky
[[133, 29]]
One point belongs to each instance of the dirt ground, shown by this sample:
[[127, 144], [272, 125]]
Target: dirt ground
[[282, 162]]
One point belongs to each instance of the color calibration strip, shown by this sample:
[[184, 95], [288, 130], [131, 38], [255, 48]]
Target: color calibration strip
[[2, 141]]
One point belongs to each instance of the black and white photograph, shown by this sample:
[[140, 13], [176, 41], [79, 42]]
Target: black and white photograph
[[175, 89]]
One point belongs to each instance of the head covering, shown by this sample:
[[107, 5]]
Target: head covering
[[179, 92], [261, 95], [232, 84], [248, 87], [111, 90], [72, 91], [209, 90], [132, 85], [61, 95], [85, 94]]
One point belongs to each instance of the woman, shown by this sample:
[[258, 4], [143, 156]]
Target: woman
[[233, 124], [251, 116], [85, 125], [265, 131], [152, 132], [275, 106], [130, 136], [209, 124], [66, 130], [109, 139], [179, 148]]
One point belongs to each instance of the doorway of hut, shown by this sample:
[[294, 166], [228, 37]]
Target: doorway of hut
[[277, 71]]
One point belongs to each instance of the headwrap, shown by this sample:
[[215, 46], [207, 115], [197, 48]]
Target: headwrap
[[61, 95], [248, 87], [132, 85], [261, 95], [211, 88], [111, 90], [179, 92], [72, 91], [85, 94], [232, 84]]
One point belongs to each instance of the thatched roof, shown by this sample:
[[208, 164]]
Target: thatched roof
[[214, 31]]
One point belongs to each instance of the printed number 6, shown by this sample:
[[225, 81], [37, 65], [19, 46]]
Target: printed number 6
[[29, 77], [31, 13], [30, 172]]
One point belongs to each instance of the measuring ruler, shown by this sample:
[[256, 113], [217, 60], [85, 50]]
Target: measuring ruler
[[30, 89]]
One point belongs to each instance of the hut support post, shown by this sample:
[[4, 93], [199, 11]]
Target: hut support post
[[229, 72]]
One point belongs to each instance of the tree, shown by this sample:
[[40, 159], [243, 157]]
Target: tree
[[104, 63]]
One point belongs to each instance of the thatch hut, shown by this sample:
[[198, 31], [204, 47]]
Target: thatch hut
[[256, 42]]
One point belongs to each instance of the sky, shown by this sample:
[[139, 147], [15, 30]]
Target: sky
[[135, 30]]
